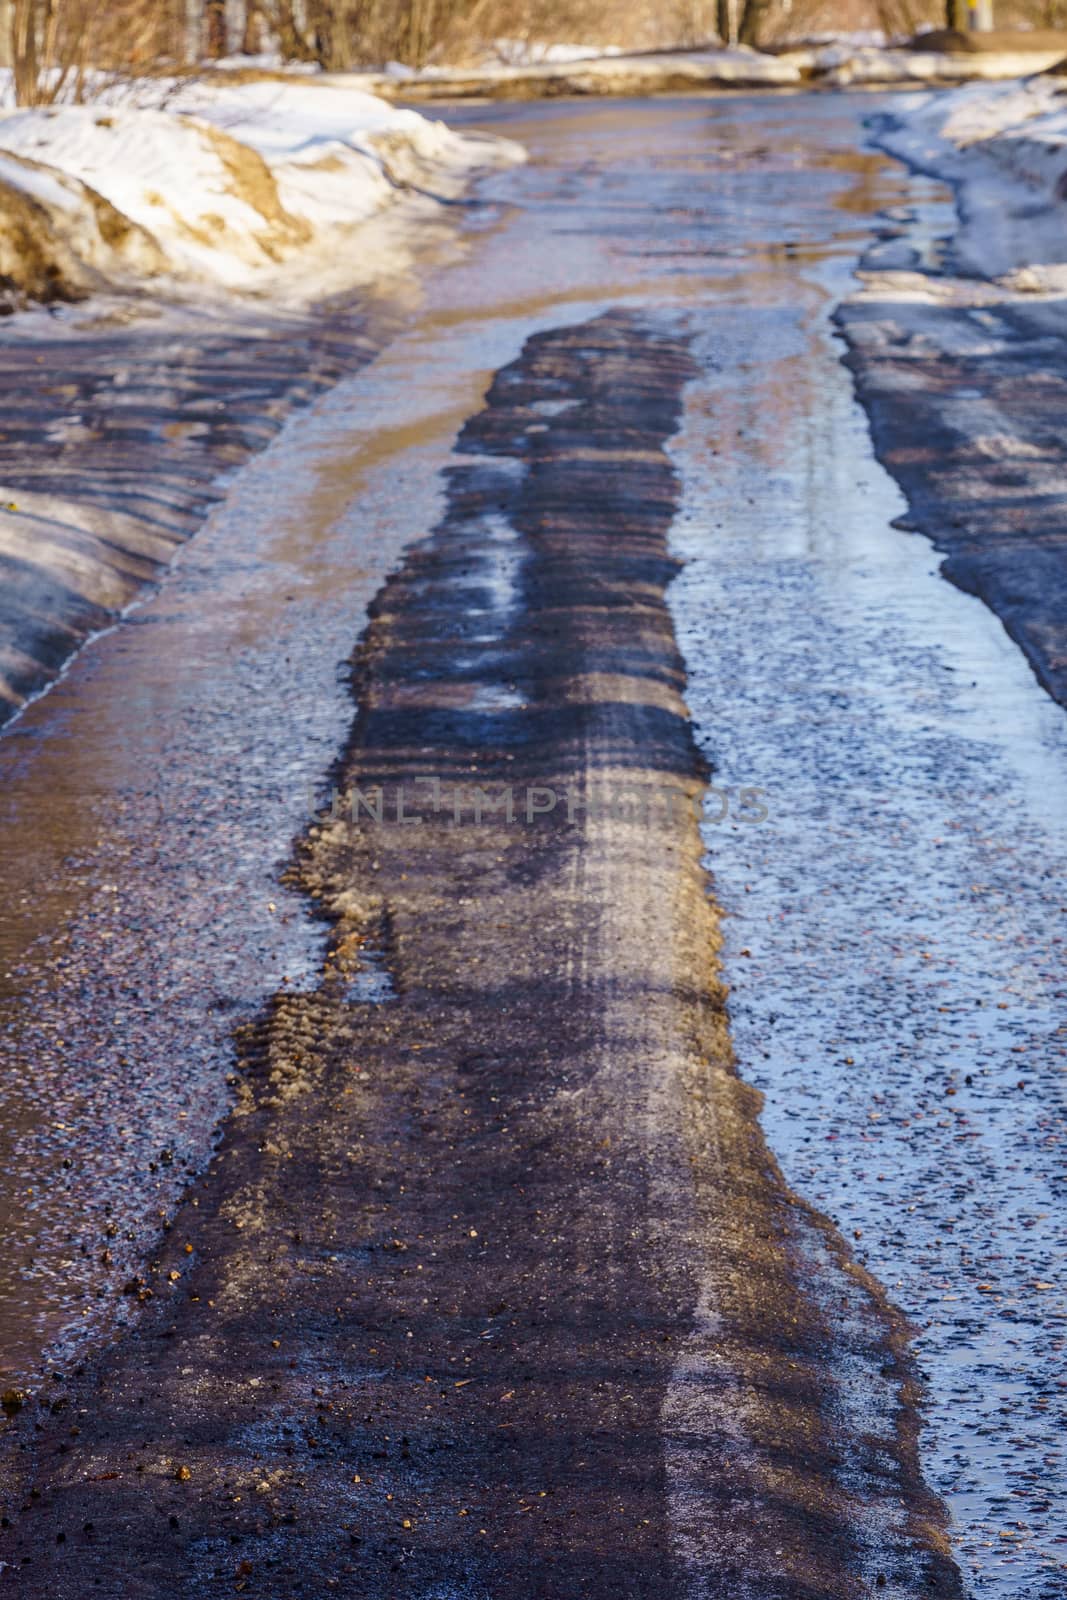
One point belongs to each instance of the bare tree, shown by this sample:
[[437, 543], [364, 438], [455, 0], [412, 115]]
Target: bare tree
[[900, 18], [289, 27], [252, 32], [61, 49], [754, 16], [216, 37]]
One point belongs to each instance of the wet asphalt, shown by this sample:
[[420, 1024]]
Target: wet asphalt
[[413, 1207]]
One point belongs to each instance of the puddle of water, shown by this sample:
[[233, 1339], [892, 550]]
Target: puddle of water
[[372, 984]]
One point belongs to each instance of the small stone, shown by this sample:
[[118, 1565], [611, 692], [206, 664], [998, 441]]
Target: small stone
[[12, 1401]]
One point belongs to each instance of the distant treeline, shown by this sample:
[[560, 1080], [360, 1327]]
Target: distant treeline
[[61, 49]]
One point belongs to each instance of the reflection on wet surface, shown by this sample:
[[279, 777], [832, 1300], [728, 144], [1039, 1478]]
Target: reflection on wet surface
[[891, 933], [150, 799]]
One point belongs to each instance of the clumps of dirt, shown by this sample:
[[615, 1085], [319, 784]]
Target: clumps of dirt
[[12, 1401], [280, 1057], [116, 229]]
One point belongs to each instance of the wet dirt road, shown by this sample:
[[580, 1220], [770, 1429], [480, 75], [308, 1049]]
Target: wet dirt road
[[498, 1284]]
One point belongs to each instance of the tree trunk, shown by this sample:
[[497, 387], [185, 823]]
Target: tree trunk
[[752, 18], [422, 20], [726, 20], [7, 24], [24, 51], [291, 41], [216, 42], [328, 34], [252, 32]]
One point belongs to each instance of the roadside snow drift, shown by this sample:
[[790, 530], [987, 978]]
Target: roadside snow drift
[[1004, 148], [113, 430], [58, 237], [841, 66], [838, 61], [225, 185], [562, 72]]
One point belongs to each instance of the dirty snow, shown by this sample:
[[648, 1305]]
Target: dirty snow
[[869, 66], [58, 240], [574, 71], [233, 180], [1004, 149]]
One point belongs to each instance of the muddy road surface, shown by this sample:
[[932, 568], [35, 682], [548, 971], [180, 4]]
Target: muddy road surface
[[532, 998]]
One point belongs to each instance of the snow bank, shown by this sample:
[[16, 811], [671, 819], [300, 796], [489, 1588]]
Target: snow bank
[[1004, 148], [337, 152], [227, 183], [528, 52], [844, 67], [836, 60], [211, 204], [60, 239], [604, 73]]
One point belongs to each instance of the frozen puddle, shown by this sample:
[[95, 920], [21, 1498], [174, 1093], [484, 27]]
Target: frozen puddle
[[894, 927]]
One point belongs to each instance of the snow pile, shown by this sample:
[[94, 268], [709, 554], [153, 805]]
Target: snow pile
[[212, 204], [59, 240], [1004, 148], [563, 72], [527, 52], [226, 184], [839, 60], [336, 152], [869, 66]]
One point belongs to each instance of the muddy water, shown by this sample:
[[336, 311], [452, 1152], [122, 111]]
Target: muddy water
[[888, 919]]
